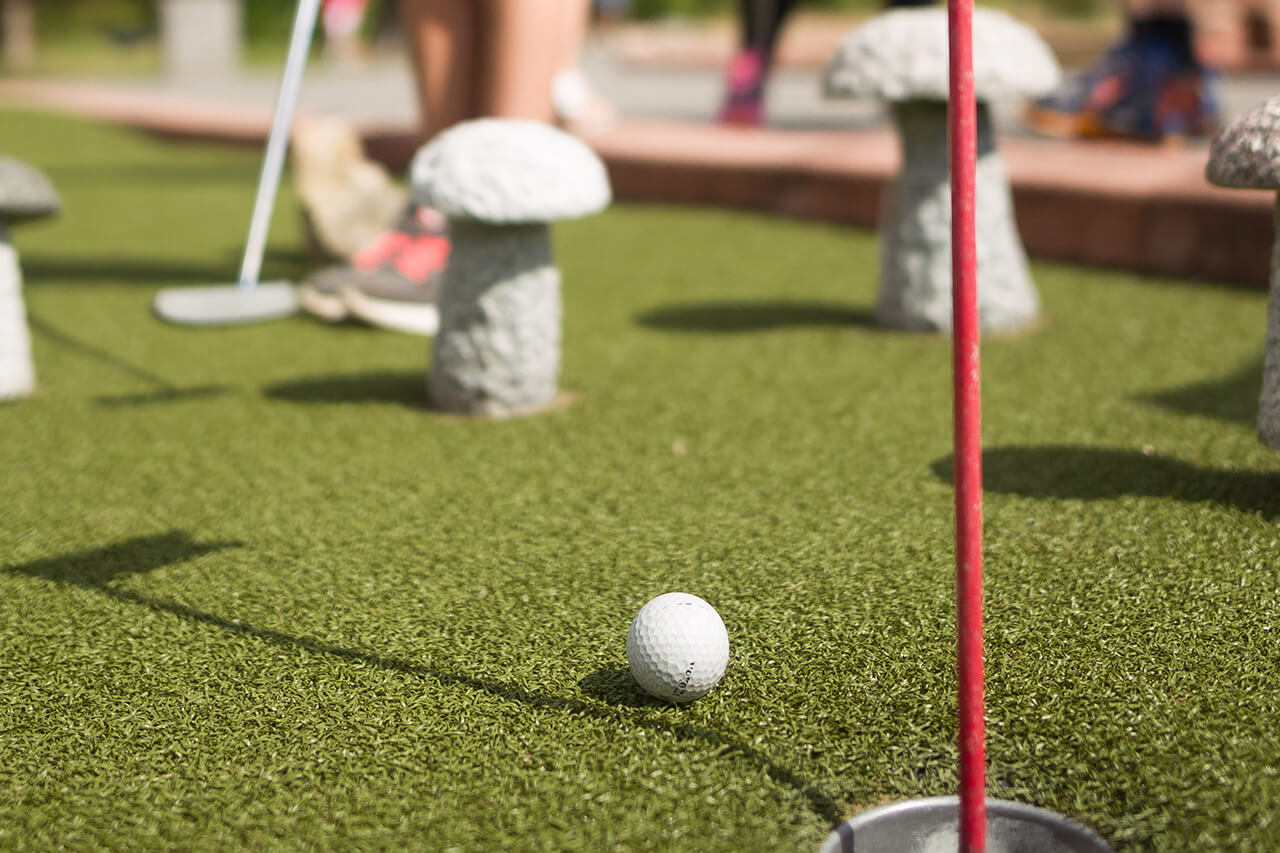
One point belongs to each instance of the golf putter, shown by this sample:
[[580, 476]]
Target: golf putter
[[250, 300]]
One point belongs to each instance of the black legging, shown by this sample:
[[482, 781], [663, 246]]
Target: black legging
[[1173, 30], [762, 20]]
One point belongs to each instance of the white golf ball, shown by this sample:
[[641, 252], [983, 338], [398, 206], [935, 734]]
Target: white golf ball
[[677, 647]]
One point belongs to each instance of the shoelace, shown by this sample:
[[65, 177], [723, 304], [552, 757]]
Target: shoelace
[[423, 257]]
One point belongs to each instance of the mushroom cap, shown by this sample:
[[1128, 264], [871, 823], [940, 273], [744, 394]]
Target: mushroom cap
[[26, 193], [509, 172], [903, 55], [1246, 153]]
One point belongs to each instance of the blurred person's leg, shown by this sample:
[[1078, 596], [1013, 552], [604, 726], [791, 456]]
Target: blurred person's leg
[[521, 48], [342, 20], [760, 23], [577, 106], [442, 37]]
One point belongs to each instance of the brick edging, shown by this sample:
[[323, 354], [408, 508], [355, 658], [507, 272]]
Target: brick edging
[[1124, 206]]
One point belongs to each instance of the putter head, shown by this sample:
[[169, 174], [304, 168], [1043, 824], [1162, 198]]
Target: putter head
[[226, 305]]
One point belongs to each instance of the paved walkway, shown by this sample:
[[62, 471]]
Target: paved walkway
[[682, 84], [1138, 207]]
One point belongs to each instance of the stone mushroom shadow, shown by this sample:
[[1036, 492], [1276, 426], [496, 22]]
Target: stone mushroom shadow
[[1062, 472], [1232, 398], [1246, 155], [755, 316], [901, 56], [26, 194], [402, 387], [500, 182]]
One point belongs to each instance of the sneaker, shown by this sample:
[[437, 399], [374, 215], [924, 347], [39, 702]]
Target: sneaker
[[393, 283], [1144, 88], [744, 98], [402, 297]]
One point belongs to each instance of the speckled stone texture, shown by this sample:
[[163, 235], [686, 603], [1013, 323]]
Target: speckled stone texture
[[500, 181], [1246, 153], [1269, 401], [497, 353], [17, 372], [915, 233], [509, 171], [25, 193], [902, 54]]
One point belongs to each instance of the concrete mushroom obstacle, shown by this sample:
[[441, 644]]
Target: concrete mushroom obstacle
[[500, 182], [1246, 155], [901, 56], [25, 194]]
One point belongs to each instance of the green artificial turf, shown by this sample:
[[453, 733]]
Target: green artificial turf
[[255, 595]]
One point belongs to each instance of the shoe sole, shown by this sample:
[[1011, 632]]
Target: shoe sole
[[414, 318], [330, 307]]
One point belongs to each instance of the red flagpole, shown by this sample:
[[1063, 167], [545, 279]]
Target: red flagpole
[[967, 403]]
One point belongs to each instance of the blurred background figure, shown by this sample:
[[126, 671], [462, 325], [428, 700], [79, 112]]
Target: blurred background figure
[[1150, 85], [471, 59], [17, 35], [505, 58], [342, 20], [760, 24]]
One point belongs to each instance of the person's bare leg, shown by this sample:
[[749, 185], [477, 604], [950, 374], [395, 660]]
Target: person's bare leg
[[576, 104], [519, 58], [575, 16], [442, 37]]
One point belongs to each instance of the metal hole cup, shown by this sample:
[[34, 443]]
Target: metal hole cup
[[932, 825]]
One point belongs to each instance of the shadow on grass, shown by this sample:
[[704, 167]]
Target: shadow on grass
[[755, 316], [616, 686], [37, 269], [96, 567], [164, 391], [406, 387], [163, 395], [1232, 398], [1101, 473], [618, 705], [136, 175]]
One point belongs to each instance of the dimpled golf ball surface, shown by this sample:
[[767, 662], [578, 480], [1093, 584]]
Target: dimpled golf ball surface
[[677, 647]]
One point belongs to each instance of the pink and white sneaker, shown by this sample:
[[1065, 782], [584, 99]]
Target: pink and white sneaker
[[393, 283]]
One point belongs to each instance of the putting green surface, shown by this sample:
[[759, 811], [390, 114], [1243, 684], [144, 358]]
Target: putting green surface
[[254, 594]]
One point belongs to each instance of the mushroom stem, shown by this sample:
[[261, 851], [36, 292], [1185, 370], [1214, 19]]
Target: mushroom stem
[[915, 231], [17, 373], [497, 352], [1269, 401]]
